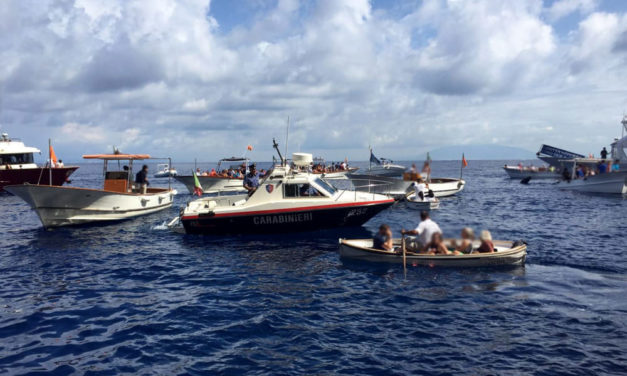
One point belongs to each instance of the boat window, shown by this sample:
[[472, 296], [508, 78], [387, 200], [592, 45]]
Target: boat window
[[300, 190], [16, 158], [326, 186]]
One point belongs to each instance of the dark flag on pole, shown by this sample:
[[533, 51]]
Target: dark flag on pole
[[374, 159]]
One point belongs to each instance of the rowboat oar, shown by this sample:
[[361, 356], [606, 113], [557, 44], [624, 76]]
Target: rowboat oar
[[404, 252]]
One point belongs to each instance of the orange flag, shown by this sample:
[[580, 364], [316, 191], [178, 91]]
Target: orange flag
[[53, 157], [250, 148], [464, 162]]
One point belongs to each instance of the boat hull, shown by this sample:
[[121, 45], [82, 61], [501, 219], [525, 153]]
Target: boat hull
[[65, 206], [35, 175], [516, 173], [284, 220], [360, 250], [395, 187], [212, 184], [611, 183]]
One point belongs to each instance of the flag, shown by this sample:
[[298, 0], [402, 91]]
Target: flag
[[428, 158], [250, 148], [464, 162], [374, 159], [197, 187], [53, 157]]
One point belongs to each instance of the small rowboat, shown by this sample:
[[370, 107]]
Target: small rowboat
[[422, 204], [506, 253]]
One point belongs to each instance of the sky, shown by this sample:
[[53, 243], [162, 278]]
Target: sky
[[203, 79]]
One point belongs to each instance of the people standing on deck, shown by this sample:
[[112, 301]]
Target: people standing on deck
[[59, 164], [616, 166], [251, 180], [141, 180], [414, 169], [604, 153], [425, 230]]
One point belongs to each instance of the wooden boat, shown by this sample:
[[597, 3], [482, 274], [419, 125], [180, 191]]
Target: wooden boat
[[507, 253], [118, 200], [428, 204]]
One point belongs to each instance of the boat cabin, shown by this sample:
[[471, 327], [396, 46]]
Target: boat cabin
[[119, 177], [15, 155]]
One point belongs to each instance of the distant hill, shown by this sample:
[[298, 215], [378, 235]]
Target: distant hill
[[481, 152]]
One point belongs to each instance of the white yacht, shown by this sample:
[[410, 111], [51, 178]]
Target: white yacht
[[214, 182], [164, 170], [118, 199], [17, 165]]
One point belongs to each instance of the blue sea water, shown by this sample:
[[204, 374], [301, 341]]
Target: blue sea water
[[135, 298]]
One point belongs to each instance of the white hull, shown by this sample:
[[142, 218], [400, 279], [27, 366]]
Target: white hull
[[63, 206], [212, 184], [422, 205], [443, 187], [613, 183], [516, 173]]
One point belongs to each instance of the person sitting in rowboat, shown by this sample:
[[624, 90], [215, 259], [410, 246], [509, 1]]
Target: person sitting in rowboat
[[425, 231], [383, 239], [486, 242], [437, 246], [465, 245]]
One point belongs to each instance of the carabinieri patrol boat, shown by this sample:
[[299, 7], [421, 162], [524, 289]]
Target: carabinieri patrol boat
[[286, 200]]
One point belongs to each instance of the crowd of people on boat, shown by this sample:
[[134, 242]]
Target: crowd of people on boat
[[231, 173], [321, 168], [427, 238]]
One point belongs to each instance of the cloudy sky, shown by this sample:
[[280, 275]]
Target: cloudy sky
[[203, 79]]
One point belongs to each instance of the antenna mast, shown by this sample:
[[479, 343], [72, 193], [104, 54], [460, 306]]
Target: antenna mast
[[287, 136]]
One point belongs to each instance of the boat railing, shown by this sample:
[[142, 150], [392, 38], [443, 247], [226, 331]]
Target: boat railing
[[372, 186]]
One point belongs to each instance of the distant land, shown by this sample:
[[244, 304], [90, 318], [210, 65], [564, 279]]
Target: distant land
[[481, 152]]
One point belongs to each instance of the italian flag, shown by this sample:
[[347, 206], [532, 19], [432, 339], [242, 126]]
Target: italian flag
[[197, 188]]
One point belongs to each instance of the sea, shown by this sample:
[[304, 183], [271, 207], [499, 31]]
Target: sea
[[135, 297]]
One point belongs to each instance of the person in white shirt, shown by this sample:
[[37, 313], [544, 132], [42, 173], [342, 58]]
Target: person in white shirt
[[424, 232], [59, 164], [419, 186]]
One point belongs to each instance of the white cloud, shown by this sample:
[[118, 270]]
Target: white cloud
[[155, 77], [563, 8]]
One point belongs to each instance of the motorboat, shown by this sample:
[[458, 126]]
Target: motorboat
[[331, 172], [384, 167], [286, 200], [216, 182], [165, 170], [17, 166], [533, 172], [119, 198], [612, 180], [506, 253], [395, 187], [426, 203]]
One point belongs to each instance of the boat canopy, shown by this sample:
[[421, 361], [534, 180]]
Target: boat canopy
[[117, 157], [233, 159]]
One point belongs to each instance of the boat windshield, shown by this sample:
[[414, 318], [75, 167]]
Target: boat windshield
[[326, 186]]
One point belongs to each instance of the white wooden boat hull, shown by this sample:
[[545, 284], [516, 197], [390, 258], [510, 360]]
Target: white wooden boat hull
[[443, 187], [212, 184], [361, 249], [64, 206], [516, 173], [612, 183], [422, 205]]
